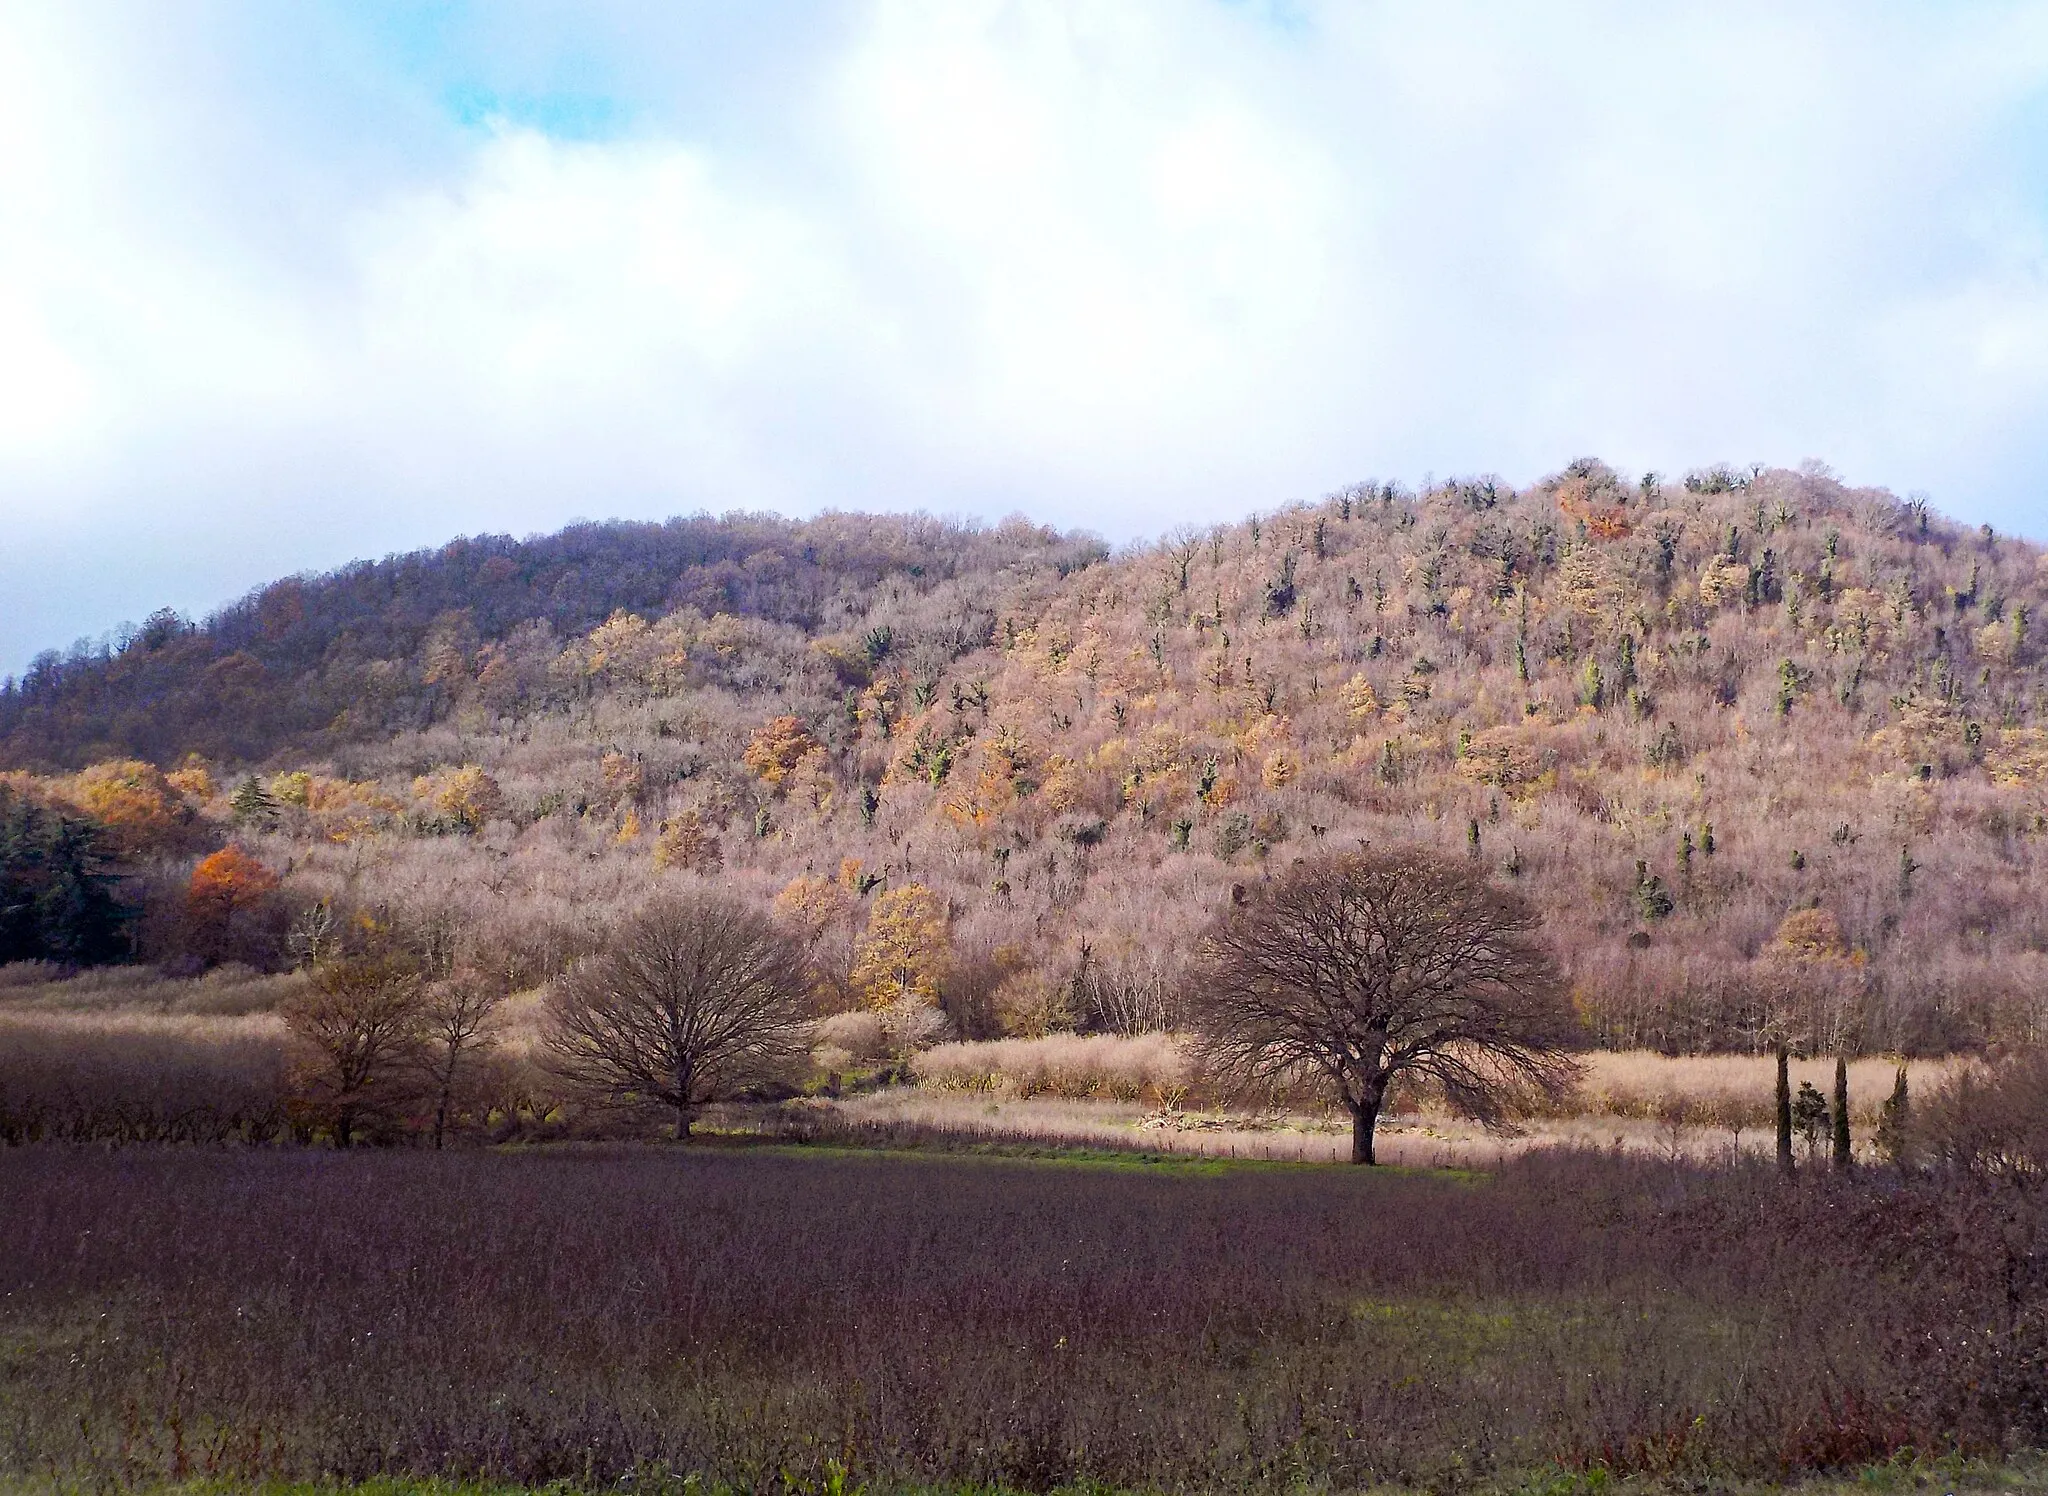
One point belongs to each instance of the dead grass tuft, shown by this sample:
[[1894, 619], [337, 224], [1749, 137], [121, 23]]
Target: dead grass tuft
[[1153, 1067]]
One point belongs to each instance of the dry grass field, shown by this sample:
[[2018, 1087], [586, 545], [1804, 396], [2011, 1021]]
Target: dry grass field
[[799, 1320], [225, 991], [1157, 1302], [1102, 1089], [1721, 1089], [147, 1056]]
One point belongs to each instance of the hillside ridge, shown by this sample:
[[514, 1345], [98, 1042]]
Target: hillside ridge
[[1767, 750]]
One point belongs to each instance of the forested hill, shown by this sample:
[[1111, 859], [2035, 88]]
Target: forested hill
[[1770, 753], [358, 653]]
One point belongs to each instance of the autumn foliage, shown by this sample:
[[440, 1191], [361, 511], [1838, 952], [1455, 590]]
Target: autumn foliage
[[228, 880], [777, 748], [1691, 721], [901, 955]]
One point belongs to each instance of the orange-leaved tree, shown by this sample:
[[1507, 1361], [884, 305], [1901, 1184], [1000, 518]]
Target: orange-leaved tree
[[224, 884], [140, 808], [687, 842]]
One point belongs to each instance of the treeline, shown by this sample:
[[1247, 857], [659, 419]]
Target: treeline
[[312, 660], [396, 1030], [399, 1030]]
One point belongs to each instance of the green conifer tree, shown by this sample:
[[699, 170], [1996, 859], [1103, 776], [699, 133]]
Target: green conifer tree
[[253, 805]]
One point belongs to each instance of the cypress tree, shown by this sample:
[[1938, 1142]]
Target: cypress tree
[[1784, 1110], [1845, 1156], [1894, 1128]]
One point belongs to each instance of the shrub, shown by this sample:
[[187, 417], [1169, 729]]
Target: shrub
[[1151, 1067]]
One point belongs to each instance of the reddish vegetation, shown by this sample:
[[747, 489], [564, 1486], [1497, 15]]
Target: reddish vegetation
[[765, 1320]]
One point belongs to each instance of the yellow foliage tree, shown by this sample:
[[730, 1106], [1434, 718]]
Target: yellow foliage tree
[[903, 952], [2020, 757], [810, 783], [468, 795], [1033, 1003], [813, 905], [1723, 581], [1811, 935], [778, 747], [1502, 756], [133, 800], [1359, 698], [1999, 642], [1062, 787], [688, 845], [194, 780], [626, 652]]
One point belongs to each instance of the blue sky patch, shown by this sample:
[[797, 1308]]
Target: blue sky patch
[[565, 116]]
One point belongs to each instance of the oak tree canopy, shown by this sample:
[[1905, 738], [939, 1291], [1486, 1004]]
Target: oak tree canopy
[[1366, 966]]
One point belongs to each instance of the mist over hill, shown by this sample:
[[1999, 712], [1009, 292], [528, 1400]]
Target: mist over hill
[[1768, 750]]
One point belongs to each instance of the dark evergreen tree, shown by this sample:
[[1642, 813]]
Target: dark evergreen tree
[[253, 805], [1845, 1156], [1895, 1128], [59, 890], [1810, 1115], [1784, 1110]]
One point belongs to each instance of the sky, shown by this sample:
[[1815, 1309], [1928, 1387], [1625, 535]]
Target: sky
[[286, 285]]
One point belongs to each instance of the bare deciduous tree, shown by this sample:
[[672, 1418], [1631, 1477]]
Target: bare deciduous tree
[[1365, 966], [358, 1021], [694, 997], [455, 1031]]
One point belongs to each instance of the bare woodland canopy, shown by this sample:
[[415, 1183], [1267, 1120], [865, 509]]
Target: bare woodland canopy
[[1769, 753]]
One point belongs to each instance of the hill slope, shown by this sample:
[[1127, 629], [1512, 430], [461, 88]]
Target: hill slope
[[1769, 751], [358, 652]]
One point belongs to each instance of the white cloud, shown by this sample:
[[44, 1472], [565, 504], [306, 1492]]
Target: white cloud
[[262, 307]]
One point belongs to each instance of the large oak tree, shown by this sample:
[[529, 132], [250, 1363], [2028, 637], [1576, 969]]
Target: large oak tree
[[1366, 966], [691, 999]]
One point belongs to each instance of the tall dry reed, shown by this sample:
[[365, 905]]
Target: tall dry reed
[[1150, 1067]]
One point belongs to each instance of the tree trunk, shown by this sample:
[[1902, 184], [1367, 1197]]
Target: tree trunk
[[680, 1069], [1365, 1116], [1784, 1111]]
